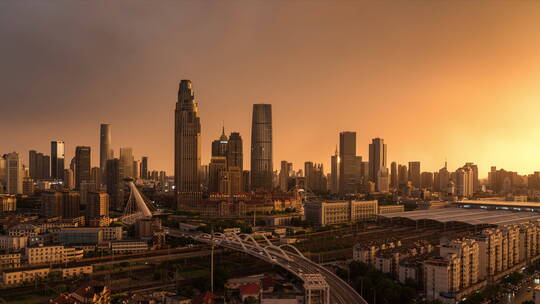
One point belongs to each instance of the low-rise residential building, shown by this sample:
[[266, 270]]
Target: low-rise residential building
[[325, 213], [12, 243], [52, 254], [128, 246], [16, 277], [8, 202], [391, 209], [76, 271], [10, 260], [24, 229]]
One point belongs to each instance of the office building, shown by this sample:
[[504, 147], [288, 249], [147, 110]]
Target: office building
[[57, 159], [218, 164], [325, 213], [105, 150], [377, 158], [476, 181], [219, 146], [235, 154], [126, 162], [187, 149], [261, 148], [14, 177], [115, 183], [444, 177], [334, 172], [394, 175], [414, 174], [464, 181], [39, 165], [97, 205], [284, 175], [144, 167], [69, 179], [82, 165], [427, 180], [96, 177], [349, 171], [383, 180]]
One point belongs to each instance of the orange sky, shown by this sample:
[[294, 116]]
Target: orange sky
[[436, 79]]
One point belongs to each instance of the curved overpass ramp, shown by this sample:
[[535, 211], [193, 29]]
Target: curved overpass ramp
[[292, 261]]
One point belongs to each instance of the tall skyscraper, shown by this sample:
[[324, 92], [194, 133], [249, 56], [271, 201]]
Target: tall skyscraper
[[126, 161], [187, 148], [219, 146], [444, 177], [235, 154], [14, 173], [414, 174], [98, 205], [284, 174], [377, 158], [115, 183], [82, 165], [105, 150], [393, 175], [476, 181], [57, 159], [349, 171], [261, 147], [3, 173], [334, 173], [32, 164], [403, 176], [144, 167], [218, 165]]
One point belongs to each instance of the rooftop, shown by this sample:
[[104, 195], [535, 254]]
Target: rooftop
[[468, 216]]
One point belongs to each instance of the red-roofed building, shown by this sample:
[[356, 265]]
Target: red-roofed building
[[251, 290]]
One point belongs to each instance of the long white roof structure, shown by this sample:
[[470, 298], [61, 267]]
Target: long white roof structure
[[467, 216]]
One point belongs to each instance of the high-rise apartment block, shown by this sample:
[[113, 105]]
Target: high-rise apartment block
[[98, 205], [82, 165], [57, 159], [115, 183], [14, 176], [144, 167]]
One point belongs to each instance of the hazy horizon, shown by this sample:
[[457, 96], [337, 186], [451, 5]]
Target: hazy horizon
[[455, 80]]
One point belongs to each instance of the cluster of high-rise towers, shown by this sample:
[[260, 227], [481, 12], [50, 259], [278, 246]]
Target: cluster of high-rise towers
[[225, 172]]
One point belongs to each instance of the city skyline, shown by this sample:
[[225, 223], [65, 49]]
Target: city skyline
[[462, 117]]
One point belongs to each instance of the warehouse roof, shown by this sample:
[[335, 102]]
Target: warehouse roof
[[467, 216]]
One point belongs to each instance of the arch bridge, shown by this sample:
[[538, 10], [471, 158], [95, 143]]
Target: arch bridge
[[286, 256]]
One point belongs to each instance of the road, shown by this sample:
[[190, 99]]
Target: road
[[340, 291]]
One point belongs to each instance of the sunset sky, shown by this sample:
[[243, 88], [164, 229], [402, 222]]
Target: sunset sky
[[456, 79]]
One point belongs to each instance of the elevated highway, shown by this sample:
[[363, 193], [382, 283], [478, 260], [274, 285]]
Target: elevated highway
[[286, 256]]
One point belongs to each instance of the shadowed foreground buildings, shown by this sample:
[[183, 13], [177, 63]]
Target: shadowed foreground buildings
[[261, 148], [187, 148]]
